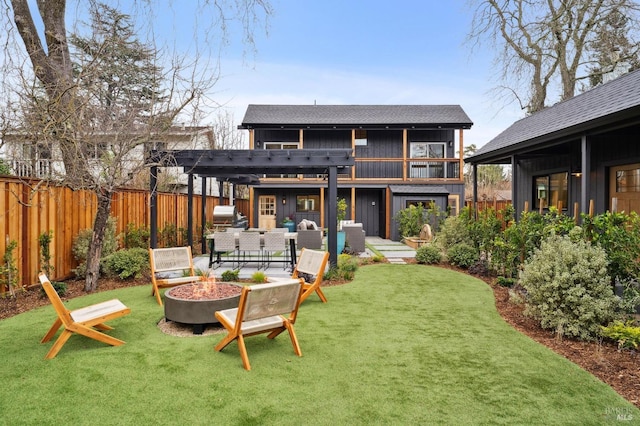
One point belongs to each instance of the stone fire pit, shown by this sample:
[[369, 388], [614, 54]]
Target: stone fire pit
[[195, 304]]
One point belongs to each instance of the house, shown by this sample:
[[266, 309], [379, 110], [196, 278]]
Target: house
[[404, 154], [579, 155], [29, 158]]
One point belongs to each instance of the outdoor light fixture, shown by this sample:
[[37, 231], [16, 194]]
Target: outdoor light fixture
[[284, 200]]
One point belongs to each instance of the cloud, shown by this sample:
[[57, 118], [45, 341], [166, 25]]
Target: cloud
[[281, 83]]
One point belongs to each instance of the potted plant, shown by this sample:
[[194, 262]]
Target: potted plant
[[289, 223]]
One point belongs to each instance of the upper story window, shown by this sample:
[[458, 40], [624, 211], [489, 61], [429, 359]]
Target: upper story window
[[551, 190], [428, 149], [360, 137], [36, 152], [281, 145]]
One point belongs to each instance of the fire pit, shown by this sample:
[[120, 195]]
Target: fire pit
[[196, 303]]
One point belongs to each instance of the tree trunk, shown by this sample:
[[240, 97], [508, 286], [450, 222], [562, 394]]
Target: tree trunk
[[95, 248]]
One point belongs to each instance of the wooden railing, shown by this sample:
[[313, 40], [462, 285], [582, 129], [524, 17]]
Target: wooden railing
[[29, 208]]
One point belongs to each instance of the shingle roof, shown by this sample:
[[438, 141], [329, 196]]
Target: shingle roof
[[356, 115], [580, 113]]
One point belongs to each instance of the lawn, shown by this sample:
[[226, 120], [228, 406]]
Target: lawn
[[401, 344]]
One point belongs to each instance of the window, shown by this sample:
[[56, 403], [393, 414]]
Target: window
[[427, 169], [308, 203], [281, 145], [551, 190], [361, 137], [628, 180]]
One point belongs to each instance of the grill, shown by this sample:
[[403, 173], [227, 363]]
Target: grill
[[228, 217]]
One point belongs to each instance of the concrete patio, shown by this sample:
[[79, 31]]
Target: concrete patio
[[394, 251]]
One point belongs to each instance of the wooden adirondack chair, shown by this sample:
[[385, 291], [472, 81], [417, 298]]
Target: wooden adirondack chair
[[311, 265], [262, 309], [82, 321], [173, 259]]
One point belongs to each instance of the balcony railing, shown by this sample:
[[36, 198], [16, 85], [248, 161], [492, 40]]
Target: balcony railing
[[392, 168], [32, 168]]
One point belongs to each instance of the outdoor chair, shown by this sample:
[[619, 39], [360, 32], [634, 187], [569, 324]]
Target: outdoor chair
[[311, 265], [225, 242], [249, 242], [84, 321], [263, 308], [275, 242], [171, 260]]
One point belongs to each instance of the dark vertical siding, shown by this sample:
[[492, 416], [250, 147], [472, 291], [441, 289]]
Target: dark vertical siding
[[370, 211]]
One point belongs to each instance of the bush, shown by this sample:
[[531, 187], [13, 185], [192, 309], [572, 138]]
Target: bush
[[231, 275], [428, 254], [128, 263], [626, 335], [136, 237], [568, 289], [410, 220], [454, 230], [505, 281], [80, 247], [463, 255], [259, 277], [59, 287]]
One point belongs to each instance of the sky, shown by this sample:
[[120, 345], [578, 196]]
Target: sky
[[368, 52], [345, 52]]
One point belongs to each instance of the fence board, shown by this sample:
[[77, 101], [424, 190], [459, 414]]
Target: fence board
[[29, 208]]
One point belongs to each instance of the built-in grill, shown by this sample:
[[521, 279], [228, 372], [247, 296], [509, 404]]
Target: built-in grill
[[228, 217]]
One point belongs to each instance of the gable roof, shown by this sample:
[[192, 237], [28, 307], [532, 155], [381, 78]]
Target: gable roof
[[603, 105], [349, 116]]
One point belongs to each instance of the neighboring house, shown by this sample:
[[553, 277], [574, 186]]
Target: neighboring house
[[404, 154], [35, 159], [576, 153]]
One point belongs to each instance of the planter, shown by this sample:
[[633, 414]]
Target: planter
[[291, 226], [415, 242], [342, 236]]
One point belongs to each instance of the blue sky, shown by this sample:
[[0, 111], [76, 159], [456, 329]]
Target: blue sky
[[367, 52], [343, 52]]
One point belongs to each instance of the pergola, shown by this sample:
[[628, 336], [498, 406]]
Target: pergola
[[244, 166]]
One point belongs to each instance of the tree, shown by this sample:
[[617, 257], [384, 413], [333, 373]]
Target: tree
[[99, 98], [225, 135], [542, 43], [491, 177]]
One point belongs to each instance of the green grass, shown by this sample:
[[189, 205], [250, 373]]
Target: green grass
[[401, 344]]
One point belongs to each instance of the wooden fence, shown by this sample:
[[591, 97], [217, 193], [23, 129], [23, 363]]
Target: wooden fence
[[31, 208]]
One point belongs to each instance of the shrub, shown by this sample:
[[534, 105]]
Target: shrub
[[136, 236], [429, 254], [231, 275], [9, 269], [626, 335], [619, 235], [377, 258], [505, 281], [463, 255], [410, 220], [453, 231], [80, 247], [128, 263], [568, 289], [59, 287], [259, 277]]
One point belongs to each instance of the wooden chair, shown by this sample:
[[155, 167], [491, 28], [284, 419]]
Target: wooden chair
[[262, 309], [174, 259], [311, 265], [82, 321]]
